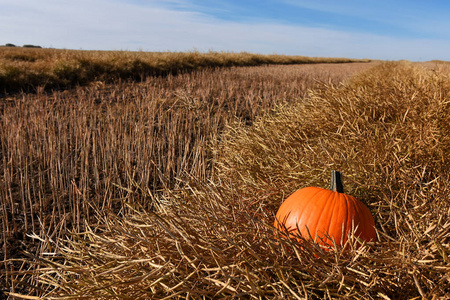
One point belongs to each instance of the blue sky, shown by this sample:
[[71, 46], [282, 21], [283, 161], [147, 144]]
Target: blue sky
[[381, 29]]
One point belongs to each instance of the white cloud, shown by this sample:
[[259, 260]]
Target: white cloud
[[110, 25]]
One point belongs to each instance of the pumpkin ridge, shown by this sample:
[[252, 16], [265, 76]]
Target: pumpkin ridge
[[323, 193], [313, 228], [343, 226], [353, 218], [283, 217], [335, 226], [330, 219], [304, 215]]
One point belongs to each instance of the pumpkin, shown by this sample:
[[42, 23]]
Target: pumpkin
[[325, 215]]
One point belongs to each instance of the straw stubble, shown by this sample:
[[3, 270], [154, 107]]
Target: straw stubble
[[206, 233]]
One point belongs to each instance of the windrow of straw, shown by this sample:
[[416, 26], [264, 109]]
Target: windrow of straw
[[28, 68], [66, 155], [387, 131]]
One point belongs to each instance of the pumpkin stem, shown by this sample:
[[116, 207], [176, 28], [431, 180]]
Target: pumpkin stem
[[336, 182]]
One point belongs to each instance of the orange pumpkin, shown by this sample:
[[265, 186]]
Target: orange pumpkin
[[322, 214]]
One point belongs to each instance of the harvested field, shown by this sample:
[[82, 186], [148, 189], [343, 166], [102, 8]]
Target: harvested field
[[168, 187], [25, 69]]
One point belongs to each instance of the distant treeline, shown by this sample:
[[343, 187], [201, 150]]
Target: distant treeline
[[25, 46]]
